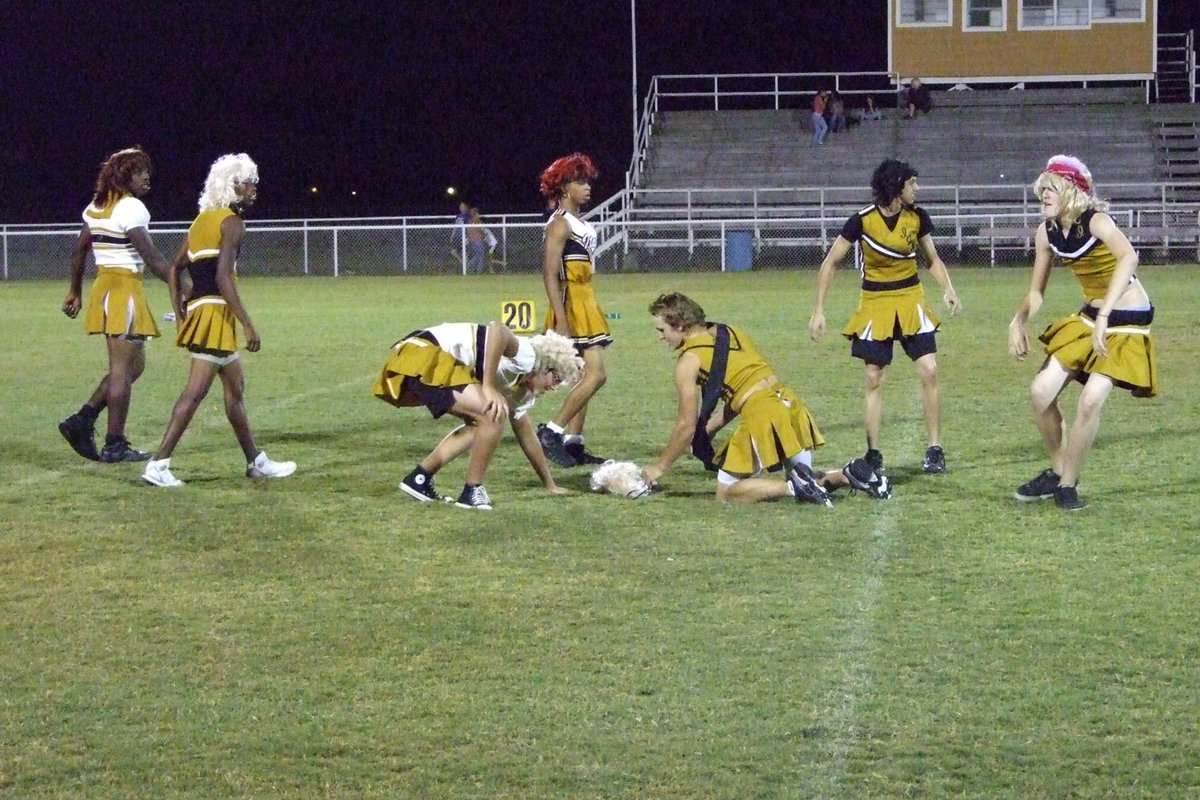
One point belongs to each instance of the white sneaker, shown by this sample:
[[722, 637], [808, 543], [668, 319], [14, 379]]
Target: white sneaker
[[263, 467], [158, 473]]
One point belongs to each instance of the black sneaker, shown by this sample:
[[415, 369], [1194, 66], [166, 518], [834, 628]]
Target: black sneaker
[[554, 448], [875, 459], [121, 451], [419, 486], [474, 497], [863, 478], [935, 460], [805, 487], [1040, 488], [580, 455], [81, 435], [1066, 498]]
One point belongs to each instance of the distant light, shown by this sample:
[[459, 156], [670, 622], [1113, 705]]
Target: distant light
[[313, 190], [353, 193], [451, 191]]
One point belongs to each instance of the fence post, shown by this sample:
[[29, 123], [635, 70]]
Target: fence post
[[335, 252], [5, 235], [305, 247]]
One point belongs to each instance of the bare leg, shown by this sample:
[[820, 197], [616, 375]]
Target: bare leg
[[931, 397], [752, 490], [455, 443], [199, 381], [1084, 427], [126, 360], [873, 403], [574, 408], [233, 379], [1046, 387]]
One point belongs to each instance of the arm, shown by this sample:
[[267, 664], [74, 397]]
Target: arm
[[718, 421], [177, 294], [1104, 229], [816, 323], [937, 268], [74, 299], [527, 438], [552, 249], [1018, 337], [501, 341], [687, 368], [140, 238], [233, 230]]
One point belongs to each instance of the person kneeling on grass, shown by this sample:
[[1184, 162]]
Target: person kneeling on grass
[[481, 374], [208, 322], [777, 431]]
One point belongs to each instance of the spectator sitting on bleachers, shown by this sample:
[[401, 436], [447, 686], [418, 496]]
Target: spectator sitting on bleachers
[[870, 112], [917, 98]]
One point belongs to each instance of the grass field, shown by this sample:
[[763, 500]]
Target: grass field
[[324, 636]]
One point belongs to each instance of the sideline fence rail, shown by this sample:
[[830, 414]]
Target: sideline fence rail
[[650, 231]]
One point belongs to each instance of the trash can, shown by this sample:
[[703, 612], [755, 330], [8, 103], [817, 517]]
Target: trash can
[[739, 251]]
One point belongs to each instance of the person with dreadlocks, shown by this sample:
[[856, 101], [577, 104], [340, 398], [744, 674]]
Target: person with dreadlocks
[[891, 308], [720, 362], [1106, 343], [208, 322], [567, 269], [116, 230]]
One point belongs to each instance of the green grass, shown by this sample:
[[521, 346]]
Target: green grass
[[326, 637]]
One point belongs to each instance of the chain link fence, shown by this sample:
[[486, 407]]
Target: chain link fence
[[659, 239]]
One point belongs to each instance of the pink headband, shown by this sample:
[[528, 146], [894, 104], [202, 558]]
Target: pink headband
[[1071, 169]]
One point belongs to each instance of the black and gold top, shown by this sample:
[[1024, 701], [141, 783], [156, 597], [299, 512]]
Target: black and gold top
[[887, 252], [576, 265], [1088, 258], [204, 246], [745, 368]]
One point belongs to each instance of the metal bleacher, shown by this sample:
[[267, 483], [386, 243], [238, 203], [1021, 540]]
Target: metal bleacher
[[977, 152]]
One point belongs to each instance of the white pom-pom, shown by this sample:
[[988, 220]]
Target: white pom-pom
[[622, 478]]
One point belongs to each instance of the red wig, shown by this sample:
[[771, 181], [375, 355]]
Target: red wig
[[117, 173], [575, 167]]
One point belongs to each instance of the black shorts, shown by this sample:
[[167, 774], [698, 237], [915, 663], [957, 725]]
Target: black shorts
[[438, 399], [880, 352]]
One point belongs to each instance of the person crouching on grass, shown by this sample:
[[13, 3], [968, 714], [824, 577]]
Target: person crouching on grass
[[776, 432], [208, 323], [1106, 343], [482, 374]]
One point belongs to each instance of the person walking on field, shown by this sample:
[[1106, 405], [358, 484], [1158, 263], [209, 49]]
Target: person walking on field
[[1105, 343], [208, 322], [567, 271], [891, 308], [116, 231]]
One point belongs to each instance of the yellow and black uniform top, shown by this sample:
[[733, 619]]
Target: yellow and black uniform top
[[576, 265], [745, 368], [887, 252], [1087, 257], [204, 246]]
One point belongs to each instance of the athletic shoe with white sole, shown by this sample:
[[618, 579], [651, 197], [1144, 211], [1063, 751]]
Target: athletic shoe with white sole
[[1042, 487], [158, 473], [554, 447], [419, 486], [935, 461], [263, 467], [474, 497], [120, 450], [805, 487], [863, 478]]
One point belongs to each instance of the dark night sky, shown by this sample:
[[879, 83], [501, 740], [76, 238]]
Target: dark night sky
[[393, 100]]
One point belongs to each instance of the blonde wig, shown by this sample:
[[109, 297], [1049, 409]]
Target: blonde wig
[[555, 353], [225, 174], [1072, 180]]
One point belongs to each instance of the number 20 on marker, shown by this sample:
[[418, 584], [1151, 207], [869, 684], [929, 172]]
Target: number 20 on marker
[[518, 315]]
